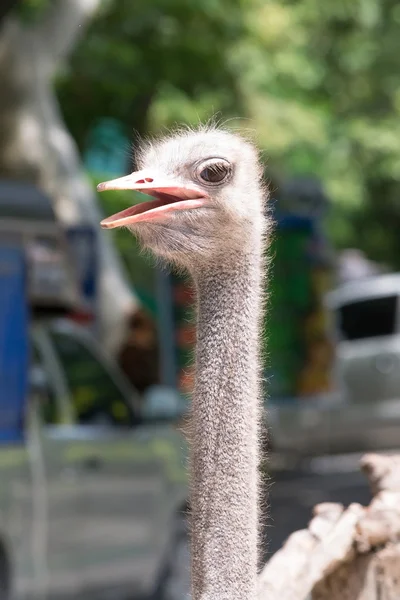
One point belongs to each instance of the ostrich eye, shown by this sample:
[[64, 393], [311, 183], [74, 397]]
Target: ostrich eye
[[214, 172]]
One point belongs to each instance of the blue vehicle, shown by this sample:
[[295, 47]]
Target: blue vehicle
[[93, 498]]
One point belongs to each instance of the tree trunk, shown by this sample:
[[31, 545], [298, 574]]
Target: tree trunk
[[36, 146]]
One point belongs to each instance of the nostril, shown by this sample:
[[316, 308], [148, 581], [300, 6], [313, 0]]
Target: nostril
[[145, 180]]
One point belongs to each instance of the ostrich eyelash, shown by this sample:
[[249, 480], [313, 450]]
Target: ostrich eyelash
[[218, 168], [213, 167]]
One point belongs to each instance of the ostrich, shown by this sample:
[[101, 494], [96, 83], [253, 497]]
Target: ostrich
[[208, 217]]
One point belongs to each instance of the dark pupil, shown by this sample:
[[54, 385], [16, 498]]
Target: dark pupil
[[214, 173]]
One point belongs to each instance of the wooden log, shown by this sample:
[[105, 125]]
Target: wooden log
[[311, 554], [344, 554], [372, 576]]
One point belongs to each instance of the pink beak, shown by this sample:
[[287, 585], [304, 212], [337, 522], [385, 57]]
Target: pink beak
[[170, 195]]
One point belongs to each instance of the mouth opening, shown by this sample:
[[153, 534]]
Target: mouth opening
[[152, 209]]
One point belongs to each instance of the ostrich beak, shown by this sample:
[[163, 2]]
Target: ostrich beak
[[170, 194]]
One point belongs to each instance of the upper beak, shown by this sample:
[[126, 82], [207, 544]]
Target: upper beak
[[171, 195], [151, 183]]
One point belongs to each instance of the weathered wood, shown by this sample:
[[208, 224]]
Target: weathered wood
[[372, 576], [310, 554], [382, 472], [344, 554]]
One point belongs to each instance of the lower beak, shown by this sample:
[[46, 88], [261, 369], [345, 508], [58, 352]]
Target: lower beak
[[170, 194]]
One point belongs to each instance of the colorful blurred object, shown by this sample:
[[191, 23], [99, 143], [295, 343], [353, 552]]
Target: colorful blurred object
[[297, 326]]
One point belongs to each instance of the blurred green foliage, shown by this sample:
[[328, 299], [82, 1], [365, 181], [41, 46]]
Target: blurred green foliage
[[319, 82], [30, 11], [153, 63]]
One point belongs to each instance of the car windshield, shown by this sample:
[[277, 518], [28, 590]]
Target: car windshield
[[375, 317], [96, 396]]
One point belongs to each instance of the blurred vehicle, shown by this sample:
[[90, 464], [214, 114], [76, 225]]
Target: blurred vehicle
[[109, 471], [93, 498], [364, 412], [368, 361], [27, 220], [95, 505]]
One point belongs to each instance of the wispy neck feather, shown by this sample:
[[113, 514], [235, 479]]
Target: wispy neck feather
[[225, 434]]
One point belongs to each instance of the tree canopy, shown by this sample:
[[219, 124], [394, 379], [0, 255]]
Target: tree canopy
[[318, 83]]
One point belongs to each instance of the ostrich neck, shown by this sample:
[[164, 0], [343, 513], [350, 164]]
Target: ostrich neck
[[225, 437]]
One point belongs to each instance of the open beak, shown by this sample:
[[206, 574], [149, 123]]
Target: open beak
[[169, 194]]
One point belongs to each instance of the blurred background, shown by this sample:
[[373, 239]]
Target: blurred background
[[96, 341]]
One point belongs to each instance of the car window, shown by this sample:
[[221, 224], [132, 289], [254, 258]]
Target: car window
[[96, 397], [368, 318]]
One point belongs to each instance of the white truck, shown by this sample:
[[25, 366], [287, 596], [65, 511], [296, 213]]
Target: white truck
[[93, 494]]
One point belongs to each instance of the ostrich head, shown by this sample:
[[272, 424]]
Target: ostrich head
[[206, 186]]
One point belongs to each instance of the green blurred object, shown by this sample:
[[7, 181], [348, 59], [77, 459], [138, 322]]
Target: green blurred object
[[290, 292], [297, 326]]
